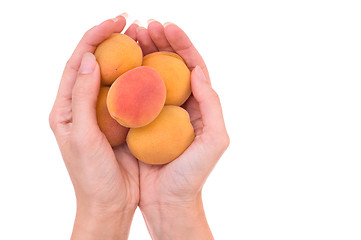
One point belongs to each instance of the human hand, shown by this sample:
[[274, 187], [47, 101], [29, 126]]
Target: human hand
[[170, 198], [106, 180]]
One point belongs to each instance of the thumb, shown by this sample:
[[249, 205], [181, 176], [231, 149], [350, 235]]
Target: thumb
[[85, 92], [209, 105]]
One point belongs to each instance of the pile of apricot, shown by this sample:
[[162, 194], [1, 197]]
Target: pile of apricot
[[140, 100]]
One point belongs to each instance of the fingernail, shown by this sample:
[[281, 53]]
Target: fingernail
[[167, 24], [140, 28], [124, 14], [87, 65], [137, 22], [200, 73], [150, 21], [115, 19]]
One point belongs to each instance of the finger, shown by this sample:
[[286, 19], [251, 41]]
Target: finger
[[145, 42], [184, 47], [85, 93], [209, 103], [91, 39], [156, 33], [132, 30]]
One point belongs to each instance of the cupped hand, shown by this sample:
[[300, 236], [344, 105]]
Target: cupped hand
[[106, 180], [179, 183]]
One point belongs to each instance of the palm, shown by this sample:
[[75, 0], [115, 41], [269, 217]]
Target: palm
[[113, 171], [128, 173]]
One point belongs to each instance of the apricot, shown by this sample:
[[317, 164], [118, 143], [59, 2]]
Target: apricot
[[117, 55], [171, 54], [113, 131], [164, 139], [136, 97], [174, 73]]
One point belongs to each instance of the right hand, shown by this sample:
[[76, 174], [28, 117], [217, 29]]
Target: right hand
[[105, 179], [170, 194]]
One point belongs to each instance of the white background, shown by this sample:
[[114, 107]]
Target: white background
[[289, 77]]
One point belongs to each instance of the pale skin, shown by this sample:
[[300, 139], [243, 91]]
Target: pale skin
[[110, 183]]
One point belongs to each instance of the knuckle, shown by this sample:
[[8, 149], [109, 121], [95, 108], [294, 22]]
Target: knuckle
[[52, 121], [68, 63], [226, 141], [221, 140], [215, 95], [71, 65], [88, 33]]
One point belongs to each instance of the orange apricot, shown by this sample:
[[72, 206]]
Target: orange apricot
[[171, 54], [174, 73], [117, 55], [113, 131], [164, 139]]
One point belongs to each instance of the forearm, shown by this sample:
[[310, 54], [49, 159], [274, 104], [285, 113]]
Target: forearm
[[177, 221], [90, 224]]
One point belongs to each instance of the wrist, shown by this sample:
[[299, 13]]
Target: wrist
[[177, 220], [92, 222]]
